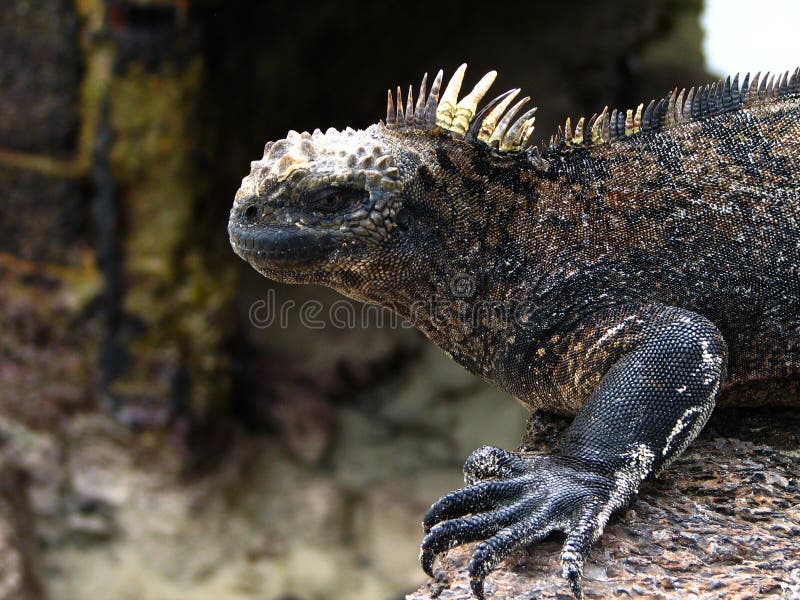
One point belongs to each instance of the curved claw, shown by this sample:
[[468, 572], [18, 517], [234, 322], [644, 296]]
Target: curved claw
[[426, 558]]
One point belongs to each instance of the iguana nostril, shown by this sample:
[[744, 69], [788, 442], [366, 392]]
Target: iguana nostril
[[250, 212]]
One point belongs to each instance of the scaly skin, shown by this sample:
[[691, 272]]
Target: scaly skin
[[630, 274]]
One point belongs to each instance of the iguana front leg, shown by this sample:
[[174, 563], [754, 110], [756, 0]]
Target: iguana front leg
[[665, 367]]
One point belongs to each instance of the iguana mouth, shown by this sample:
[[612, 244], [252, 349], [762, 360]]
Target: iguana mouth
[[280, 245]]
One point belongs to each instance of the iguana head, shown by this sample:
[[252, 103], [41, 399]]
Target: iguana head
[[353, 209]]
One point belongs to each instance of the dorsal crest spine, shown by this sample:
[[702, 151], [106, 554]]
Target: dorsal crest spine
[[676, 108], [495, 124], [495, 127]]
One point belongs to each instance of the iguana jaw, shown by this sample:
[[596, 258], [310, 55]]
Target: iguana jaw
[[278, 248]]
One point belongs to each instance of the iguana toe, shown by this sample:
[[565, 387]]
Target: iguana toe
[[477, 498]]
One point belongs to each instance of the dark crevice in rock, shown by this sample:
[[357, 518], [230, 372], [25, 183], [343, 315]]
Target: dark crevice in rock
[[106, 220]]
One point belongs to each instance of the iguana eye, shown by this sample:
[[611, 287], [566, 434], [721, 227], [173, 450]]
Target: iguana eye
[[331, 200]]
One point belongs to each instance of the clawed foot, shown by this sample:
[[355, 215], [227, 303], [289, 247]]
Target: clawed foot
[[513, 500]]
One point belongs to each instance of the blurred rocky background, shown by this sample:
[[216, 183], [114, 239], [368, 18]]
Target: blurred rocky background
[[158, 441]]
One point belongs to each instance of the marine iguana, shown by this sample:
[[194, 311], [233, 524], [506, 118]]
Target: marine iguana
[[641, 267]]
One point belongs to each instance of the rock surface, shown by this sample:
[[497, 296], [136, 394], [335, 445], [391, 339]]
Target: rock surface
[[722, 522], [19, 575]]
